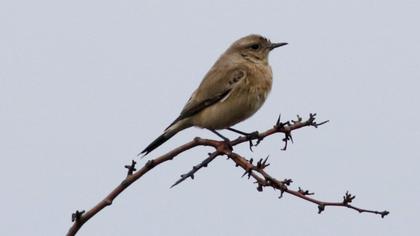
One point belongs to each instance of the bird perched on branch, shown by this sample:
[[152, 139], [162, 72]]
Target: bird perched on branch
[[232, 91]]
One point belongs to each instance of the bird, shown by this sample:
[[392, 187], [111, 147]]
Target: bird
[[234, 88]]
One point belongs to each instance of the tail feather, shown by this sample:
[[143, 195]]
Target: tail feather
[[174, 128], [157, 142]]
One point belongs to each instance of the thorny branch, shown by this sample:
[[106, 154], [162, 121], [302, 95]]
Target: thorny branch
[[279, 127], [257, 172], [263, 179]]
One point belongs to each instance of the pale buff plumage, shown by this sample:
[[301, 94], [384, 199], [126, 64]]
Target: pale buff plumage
[[233, 90]]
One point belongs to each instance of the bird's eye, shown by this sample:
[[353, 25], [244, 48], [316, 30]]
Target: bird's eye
[[255, 46]]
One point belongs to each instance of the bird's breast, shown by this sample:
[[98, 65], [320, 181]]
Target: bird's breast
[[259, 86]]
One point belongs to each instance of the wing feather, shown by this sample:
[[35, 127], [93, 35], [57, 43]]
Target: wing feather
[[216, 85]]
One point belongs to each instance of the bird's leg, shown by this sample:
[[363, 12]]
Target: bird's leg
[[249, 136], [226, 140], [220, 135], [252, 135]]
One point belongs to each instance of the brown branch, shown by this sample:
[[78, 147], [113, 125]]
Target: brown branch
[[79, 218], [279, 127], [263, 179]]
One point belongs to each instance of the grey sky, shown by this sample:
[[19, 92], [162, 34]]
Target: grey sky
[[85, 85]]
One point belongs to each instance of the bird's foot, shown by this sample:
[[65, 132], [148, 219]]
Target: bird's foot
[[249, 136]]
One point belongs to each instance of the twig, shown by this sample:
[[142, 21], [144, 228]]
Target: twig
[[279, 127], [196, 168], [80, 218], [263, 179]]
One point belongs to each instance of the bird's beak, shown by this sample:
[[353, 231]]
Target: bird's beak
[[276, 45]]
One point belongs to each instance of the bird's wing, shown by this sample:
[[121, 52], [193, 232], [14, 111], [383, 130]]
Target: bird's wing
[[215, 86]]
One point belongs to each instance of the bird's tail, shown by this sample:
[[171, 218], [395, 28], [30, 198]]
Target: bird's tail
[[157, 142], [173, 129]]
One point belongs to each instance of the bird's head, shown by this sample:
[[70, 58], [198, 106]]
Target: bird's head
[[254, 48]]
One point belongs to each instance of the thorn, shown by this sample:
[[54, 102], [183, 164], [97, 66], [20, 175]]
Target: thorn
[[266, 159], [279, 125], [384, 213], [281, 194], [304, 192], [290, 137], [285, 144], [76, 216], [258, 141], [321, 208], [287, 137], [348, 198], [319, 124], [150, 164], [259, 164], [251, 145], [263, 163], [175, 184], [131, 168], [278, 120], [287, 182]]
